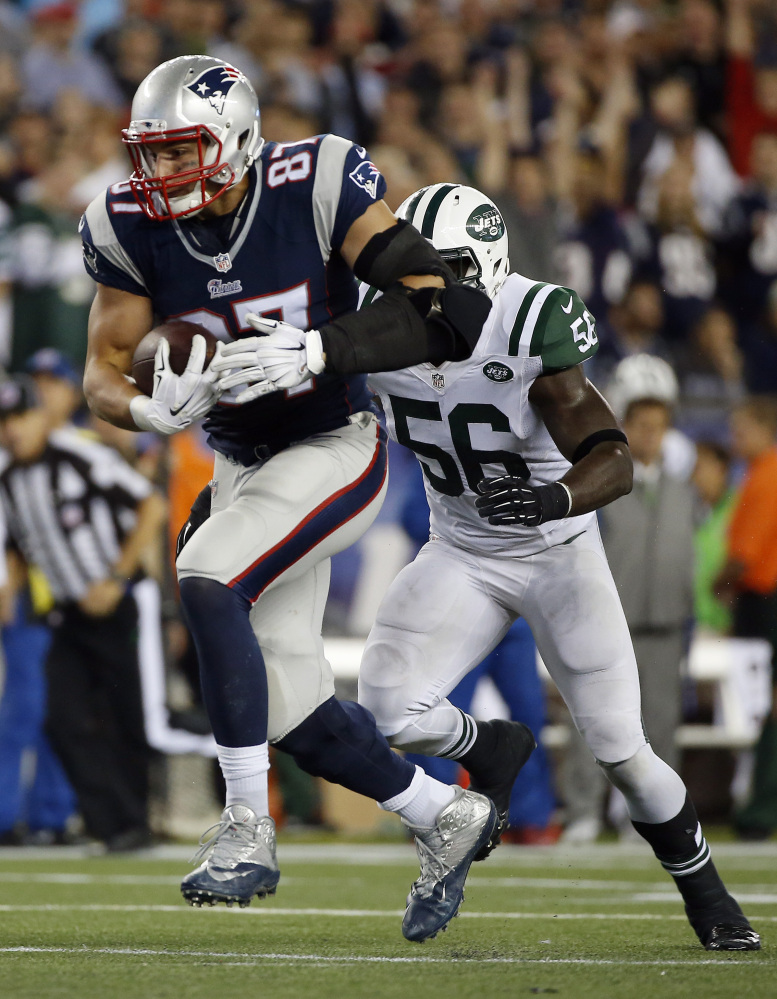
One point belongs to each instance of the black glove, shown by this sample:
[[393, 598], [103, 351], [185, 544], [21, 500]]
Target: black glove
[[198, 514], [510, 500]]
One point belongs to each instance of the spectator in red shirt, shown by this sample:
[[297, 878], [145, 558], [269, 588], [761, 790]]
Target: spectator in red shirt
[[751, 86]]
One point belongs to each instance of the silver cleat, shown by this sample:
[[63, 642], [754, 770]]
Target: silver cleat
[[239, 860]]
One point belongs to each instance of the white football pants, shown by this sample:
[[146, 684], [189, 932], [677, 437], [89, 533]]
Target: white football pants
[[271, 533], [449, 608]]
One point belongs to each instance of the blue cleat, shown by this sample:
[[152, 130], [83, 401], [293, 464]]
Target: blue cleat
[[446, 851], [239, 860]]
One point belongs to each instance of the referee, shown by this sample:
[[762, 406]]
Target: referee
[[79, 513]]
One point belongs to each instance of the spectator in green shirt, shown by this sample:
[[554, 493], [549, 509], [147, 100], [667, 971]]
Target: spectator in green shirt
[[711, 478]]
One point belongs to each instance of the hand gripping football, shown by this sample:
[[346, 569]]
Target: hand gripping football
[[178, 334]]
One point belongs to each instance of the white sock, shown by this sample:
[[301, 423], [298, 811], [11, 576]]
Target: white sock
[[245, 772], [422, 801]]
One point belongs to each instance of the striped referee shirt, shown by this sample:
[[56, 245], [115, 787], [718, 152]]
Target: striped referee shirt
[[69, 511]]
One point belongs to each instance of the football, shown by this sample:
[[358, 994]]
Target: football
[[178, 334]]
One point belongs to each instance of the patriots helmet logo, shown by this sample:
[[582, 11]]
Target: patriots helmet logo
[[366, 176], [214, 85]]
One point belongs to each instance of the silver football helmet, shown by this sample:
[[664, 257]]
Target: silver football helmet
[[466, 228], [192, 98], [641, 376]]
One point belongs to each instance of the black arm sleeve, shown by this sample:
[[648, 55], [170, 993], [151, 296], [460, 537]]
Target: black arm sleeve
[[406, 327], [397, 252]]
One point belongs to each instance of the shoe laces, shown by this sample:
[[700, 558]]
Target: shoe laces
[[229, 842], [441, 847], [433, 864]]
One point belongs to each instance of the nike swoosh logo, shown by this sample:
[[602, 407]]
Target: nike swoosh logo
[[175, 412], [568, 307]]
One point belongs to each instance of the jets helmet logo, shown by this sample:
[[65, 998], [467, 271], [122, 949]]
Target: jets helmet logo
[[214, 85], [485, 224], [366, 175]]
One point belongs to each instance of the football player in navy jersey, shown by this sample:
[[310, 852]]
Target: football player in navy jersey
[[218, 227]]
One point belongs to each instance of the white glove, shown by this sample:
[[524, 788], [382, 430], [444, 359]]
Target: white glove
[[286, 356], [178, 400]]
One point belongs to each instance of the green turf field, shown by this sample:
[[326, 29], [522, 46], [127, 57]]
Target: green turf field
[[599, 922]]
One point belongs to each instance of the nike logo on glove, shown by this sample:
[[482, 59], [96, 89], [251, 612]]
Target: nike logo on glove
[[568, 307], [177, 410]]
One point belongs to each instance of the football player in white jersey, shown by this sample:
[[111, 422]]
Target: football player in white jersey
[[518, 450]]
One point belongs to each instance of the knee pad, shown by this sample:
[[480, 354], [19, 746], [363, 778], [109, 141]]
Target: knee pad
[[206, 600], [340, 742], [382, 693]]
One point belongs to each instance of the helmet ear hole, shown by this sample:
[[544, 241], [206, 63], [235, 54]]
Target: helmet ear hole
[[243, 138]]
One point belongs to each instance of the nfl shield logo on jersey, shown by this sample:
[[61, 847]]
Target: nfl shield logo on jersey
[[438, 380], [366, 175], [214, 85], [222, 262]]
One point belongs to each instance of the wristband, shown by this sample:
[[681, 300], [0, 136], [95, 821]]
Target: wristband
[[138, 408], [314, 348], [555, 501]]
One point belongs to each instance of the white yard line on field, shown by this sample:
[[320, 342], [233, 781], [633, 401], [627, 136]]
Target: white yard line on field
[[602, 856], [253, 959], [629, 891], [346, 913]]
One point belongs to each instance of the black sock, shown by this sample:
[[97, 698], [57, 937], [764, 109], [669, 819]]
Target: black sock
[[682, 850], [481, 752]]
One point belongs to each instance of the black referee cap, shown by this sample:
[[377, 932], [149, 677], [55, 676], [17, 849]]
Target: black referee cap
[[17, 395]]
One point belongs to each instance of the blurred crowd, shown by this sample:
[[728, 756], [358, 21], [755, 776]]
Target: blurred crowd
[[631, 146]]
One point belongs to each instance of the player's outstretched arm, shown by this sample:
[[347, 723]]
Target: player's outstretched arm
[[579, 420], [421, 316]]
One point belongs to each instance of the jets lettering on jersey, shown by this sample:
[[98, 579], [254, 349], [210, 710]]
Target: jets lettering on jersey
[[497, 371]]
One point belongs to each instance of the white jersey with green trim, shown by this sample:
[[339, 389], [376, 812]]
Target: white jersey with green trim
[[470, 420]]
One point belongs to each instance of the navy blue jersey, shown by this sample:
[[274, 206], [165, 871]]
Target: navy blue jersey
[[749, 253], [682, 263], [276, 255]]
